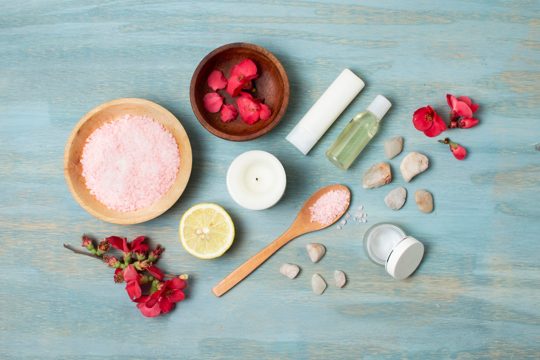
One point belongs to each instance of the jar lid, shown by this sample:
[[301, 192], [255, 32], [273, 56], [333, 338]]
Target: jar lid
[[404, 258]]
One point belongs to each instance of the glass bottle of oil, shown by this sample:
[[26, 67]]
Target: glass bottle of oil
[[358, 133]]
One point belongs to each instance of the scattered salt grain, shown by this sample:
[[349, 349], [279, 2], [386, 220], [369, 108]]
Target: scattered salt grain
[[130, 163], [360, 215], [329, 206]]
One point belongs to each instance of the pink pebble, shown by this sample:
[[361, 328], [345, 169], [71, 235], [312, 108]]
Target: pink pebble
[[329, 206], [130, 163]]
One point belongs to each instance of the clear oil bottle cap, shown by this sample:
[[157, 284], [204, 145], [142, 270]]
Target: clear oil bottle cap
[[379, 106]]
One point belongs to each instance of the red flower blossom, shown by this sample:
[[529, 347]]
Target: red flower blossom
[[164, 299], [103, 246], [213, 102], [216, 80], [462, 105], [111, 261], [249, 108], [137, 245], [459, 108], [427, 120], [118, 275], [228, 113], [132, 278], [241, 74], [155, 254], [462, 110], [458, 151], [87, 242]]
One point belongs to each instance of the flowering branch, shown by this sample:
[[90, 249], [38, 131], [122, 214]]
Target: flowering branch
[[146, 284], [80, 252]]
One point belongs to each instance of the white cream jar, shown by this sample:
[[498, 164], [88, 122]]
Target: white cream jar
[[388, 245]]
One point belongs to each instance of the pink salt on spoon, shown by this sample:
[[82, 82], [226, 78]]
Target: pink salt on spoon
[[321, 210]]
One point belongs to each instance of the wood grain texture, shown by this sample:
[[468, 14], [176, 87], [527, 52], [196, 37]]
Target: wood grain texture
[[476, 293]]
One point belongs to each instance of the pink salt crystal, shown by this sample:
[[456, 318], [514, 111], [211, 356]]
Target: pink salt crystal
[[130, 163], [329, 206]]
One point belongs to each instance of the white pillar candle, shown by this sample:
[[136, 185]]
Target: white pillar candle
[[256, 180]]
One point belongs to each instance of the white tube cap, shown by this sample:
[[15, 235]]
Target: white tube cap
[[302, 138], [404, 258], [379, 106]]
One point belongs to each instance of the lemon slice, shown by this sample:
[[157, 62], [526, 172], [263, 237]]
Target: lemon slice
[[206, 231]]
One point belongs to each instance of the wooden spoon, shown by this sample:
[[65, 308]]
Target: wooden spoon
[[301, 225]]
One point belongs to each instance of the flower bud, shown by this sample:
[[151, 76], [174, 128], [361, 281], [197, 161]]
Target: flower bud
[[111, 261], [103, 247], [119, 276], [140, 256], [155, 254], [87, 243], [457, 150]]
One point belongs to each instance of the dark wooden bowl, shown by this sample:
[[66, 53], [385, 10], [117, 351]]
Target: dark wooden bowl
[[272, 85]]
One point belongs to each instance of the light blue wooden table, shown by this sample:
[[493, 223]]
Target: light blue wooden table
[[476, 295]]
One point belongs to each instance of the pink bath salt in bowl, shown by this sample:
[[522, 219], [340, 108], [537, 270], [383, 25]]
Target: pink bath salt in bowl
[[329, 206], [130, 163]]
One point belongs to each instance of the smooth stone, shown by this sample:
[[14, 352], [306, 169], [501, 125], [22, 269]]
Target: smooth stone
[[424, 200], [393, 146], [289, 270], [318, 284], [340, 278], [378, 175], [395, 199], [315, 251], [413, 164]]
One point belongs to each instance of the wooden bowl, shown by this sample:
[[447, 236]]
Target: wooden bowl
[[107, 112], [272, 85]]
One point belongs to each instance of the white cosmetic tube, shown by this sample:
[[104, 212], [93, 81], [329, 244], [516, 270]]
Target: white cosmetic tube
[[325, 111]]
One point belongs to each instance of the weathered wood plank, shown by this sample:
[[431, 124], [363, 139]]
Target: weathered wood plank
[[476, 294]]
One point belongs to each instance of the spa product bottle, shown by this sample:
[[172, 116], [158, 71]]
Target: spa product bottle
[[325, 111], [358, 133]]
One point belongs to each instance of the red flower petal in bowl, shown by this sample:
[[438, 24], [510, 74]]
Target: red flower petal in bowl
[[241, 74], [228, 113], [265, 112], [213, 102], [216, 80], [249, 109]]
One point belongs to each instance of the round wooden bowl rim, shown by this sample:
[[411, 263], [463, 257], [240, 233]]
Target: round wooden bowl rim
[[172, 195], [263, 130]]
